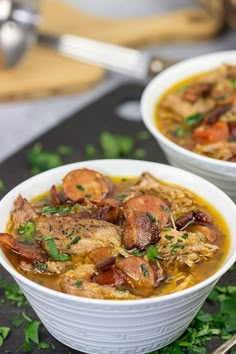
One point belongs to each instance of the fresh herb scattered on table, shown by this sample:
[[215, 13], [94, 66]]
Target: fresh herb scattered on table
[[41, 160]]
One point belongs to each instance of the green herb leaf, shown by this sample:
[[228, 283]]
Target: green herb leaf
[[165, 208], [31, 334], [81, 188], [65, 150], [121, 196], [58, 210], [4, 332], [151, 217], [41, 160], [179, 131], [54, 253], [17, 321], [139, 153], [137, 252], [144, 135], [185, 236], [194, 119], [2, 186], [115, 146], [144, 270], [78, 283], [90, 152], [27, 231], [12, 293], [233, 83], [169, 237], [152, 253]]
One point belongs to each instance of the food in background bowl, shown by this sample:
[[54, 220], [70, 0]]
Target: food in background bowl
[[199, 113], [128, 326], [115, 238], [218, 171]]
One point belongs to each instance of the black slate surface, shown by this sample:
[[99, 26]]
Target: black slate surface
[[80, 129]]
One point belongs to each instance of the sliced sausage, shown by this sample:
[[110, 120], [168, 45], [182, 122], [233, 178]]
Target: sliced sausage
[[111, 276], [145, 216], [85, 183], [191, 217], [101, 257], [140, 275], [33, 251], [108, 210]]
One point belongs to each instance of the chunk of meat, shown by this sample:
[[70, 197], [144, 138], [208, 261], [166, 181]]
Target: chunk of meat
[[82, 271], [145, 215], [22, 212], [141, 277], [94, 290], [146, 183], [108, 209], [199, 89], [181, 247], [111, 276], [206, 134], [55, 197], [33, 251], [57, 267], [192, 216], [84, 182], [214, 115], [73, 235], [222, 150], [208, 230]]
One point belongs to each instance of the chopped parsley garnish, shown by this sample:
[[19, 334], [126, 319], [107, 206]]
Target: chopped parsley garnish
[[169, 237], [165, 208], [182, 88], [27, 231], [53, 251], [88, 196], [81, 188], [177, 245], [42, 267], [152, 253], [137, 252], [185, 236], [144, 270], [179, 131], [4, 332], [2, 186], [119, 288], [64, 209], [233, 83], [74, 242], [121, 196], [194, 119], [151, 217], [78, 283]]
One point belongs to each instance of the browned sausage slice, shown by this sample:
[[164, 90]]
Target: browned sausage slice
[[155, 209], [141, 276], [111, 276], [145, 215], [85, 183]]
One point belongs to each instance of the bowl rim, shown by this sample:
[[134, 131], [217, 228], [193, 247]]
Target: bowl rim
[[150, 121], [106, 302]]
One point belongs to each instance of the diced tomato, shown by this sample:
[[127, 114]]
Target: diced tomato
[[207, 134]]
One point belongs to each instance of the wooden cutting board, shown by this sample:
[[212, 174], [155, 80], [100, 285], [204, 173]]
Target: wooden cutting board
[[43, 73]]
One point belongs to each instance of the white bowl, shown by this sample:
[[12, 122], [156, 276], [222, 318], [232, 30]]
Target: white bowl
[[111, 326], [221, 173]]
